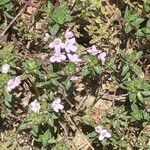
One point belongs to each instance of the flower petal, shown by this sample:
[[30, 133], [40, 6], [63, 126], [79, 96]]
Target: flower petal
[[102, 56], [52, 59], [68, 34], [101, 137], [108, 135], [72, 41], [60, 106], [73, 48], [51, 45], [57, 49], [98, 129]]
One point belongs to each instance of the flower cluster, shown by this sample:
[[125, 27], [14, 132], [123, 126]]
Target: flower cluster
[[13, 83], [5, 68], [65, 50], [103, 133], [57, 105], [69, 47], [35, 106], [75, 79], [94, 51]]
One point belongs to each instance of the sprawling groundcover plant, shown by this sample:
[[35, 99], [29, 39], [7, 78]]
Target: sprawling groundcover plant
[[74, 74]]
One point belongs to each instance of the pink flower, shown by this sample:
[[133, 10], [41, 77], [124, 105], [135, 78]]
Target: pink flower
[[57, 45], [78, 69], [13, 83], [75, 78], [5, 68], [46, 37], [74, 58], [57, 105], [70, 45], [58, 57], [93, 50], [102, 56], [68, 34], [104, 134], [35, 106], [98, 129]]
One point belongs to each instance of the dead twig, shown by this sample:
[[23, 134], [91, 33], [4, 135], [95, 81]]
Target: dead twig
[[112, 97], [75, 126], [20, 12], [66, 135]]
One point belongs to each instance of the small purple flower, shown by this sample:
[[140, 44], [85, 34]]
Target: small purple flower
[[74, 58], [13, 83], [93, 50], [35, 106], [104, 134], [98, 129], [75, 79], [58, 57], [46, 37], [78, 69], [5, 68], [57, 45], [57, 105], [102, 56], [68, 34], [70, 45]]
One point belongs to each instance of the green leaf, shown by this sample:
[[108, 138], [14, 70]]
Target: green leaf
[[49, 6], [9, 47], [33, 133], [54, 29], [125, 70], [127, 15], [23, 126], [46, 136], [43, 148], [146, 93], [134, 56], [137, 69], [146, 31], [51, 121], [8, 96], [51, 95], [67, 84], [137, 114], [111, 63], [92, 135], [55, 82], [51, 141], [128, 28], [98, 69], [132, 97], [85, 71], [41, 84], [70, 69], [24, 76], [3, 2], [140, 97], [35, 128], [126, 77], [137, 22], [61, 14], [139, 33], [3, 80], [120, 109], [146, 115]]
